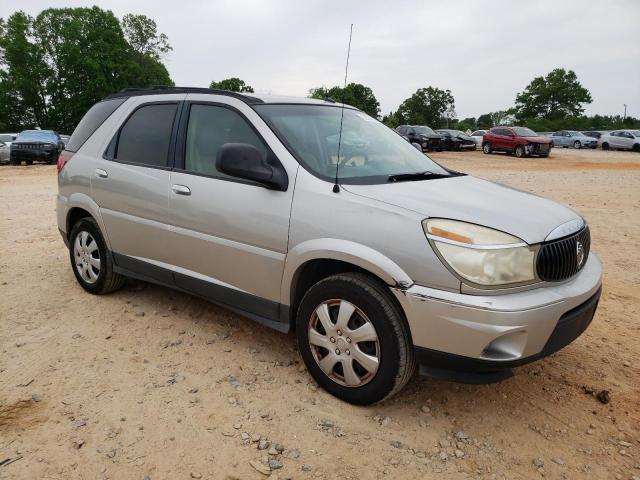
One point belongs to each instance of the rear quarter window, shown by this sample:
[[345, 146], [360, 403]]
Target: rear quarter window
[[91, 121]]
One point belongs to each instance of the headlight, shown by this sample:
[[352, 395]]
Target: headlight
[[479, 254]]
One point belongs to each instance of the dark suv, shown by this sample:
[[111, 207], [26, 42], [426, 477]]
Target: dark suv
[[421, 135], [35, 145], [521, 141]]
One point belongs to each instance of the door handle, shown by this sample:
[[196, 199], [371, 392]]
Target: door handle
[[181, 190], [101, 173]]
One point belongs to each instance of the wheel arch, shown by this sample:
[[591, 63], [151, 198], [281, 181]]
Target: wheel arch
[[81, 206], [311, 261]]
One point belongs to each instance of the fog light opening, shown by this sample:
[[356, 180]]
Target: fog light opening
[[506, 347]]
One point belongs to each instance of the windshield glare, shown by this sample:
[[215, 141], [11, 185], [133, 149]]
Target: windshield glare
[[370, 152], [524, 132]]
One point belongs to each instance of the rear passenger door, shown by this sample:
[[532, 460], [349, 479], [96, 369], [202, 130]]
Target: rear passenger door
[[130, 185], [228, 237]]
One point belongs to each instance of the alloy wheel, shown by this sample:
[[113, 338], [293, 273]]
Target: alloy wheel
[[87, 257], [344, 343]]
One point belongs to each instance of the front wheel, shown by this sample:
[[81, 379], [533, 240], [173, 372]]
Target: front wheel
[[91, 261], [605, 146], [486, 148], [636, 147], [353, 338], [577, 145], [520, 153]]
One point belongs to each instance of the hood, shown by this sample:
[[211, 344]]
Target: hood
[[429, 135], [469, 199], [538, 139]]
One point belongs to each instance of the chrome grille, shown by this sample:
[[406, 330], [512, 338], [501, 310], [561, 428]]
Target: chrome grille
[[559, 259]]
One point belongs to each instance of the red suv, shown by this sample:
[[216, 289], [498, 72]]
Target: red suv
[[522, 141]]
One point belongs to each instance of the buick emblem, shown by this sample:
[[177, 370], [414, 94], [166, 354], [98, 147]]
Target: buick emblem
[[579, 254]]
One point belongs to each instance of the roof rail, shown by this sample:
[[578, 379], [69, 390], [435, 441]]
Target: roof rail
[[166, 89]]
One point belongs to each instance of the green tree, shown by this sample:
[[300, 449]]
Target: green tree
[[233, 84], [557, 96], [427, 106], [354, 94], [467, 124], [392, 120], [57, 65], [142, 34]]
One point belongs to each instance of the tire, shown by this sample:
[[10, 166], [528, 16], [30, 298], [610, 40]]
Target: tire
[[14, 162], [519, 151], [577, 145], [28, 162], [636, 147], [96, 280], [605, 146], [486, 148], [368, 302]]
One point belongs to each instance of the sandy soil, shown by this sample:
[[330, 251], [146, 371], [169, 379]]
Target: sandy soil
[[150, 383]]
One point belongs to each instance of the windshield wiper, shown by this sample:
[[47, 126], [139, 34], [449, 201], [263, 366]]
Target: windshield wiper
[[408, 177]]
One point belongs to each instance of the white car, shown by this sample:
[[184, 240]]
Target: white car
[[5, 145], [477, 137], [621, 140]]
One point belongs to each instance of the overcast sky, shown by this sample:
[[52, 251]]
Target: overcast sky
[[483, 51]]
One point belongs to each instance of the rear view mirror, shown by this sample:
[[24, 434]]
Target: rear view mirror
[[243, 160]]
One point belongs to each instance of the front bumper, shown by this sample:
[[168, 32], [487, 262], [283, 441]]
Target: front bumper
[[487, 333]]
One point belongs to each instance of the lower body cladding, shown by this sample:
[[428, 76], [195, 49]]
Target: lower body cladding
[[478, 339]]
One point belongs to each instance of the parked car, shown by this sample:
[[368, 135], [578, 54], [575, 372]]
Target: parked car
[[456, 140], [521, 141], [378, 262], [423, 136], [593, 134], [477, 137], [621, 140], [5, 144], [571, 138], [35, 145]]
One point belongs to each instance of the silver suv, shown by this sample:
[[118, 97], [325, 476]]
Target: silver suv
[[377, 257]]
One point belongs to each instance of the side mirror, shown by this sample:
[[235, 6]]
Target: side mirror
[[242, 160]]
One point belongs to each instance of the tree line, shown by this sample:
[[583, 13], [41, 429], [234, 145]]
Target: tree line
[[55, 66]]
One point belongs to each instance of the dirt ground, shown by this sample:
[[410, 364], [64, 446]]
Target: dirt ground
[[148, 383]]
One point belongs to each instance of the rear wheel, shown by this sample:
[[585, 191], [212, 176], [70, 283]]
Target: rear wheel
[[519, 151], [91, 261], [354, 339], [605, 146], [486, 147], [577, 144], [29, 162]]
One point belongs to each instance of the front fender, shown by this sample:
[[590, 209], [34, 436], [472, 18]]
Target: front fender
[[345, 251]]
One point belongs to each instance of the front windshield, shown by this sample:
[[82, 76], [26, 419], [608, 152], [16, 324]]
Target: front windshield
[[524, 132], [370, 152], [424, 130]]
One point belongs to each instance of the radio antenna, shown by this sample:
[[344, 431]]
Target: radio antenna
[[336, 187]]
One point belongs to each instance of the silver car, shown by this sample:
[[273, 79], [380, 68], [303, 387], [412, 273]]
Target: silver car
[[572, 139], [5, 146], [620, 140], [477, 137], [377, 257]]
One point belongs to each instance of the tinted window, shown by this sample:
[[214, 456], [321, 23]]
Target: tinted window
[[145, 136], [209, 128], [6, 138], [91, 121]]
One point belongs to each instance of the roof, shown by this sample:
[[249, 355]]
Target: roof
[[248, 98]]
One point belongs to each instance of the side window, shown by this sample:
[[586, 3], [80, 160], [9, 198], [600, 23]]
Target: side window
[[402, 130], [145, 137], [209, 128]]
